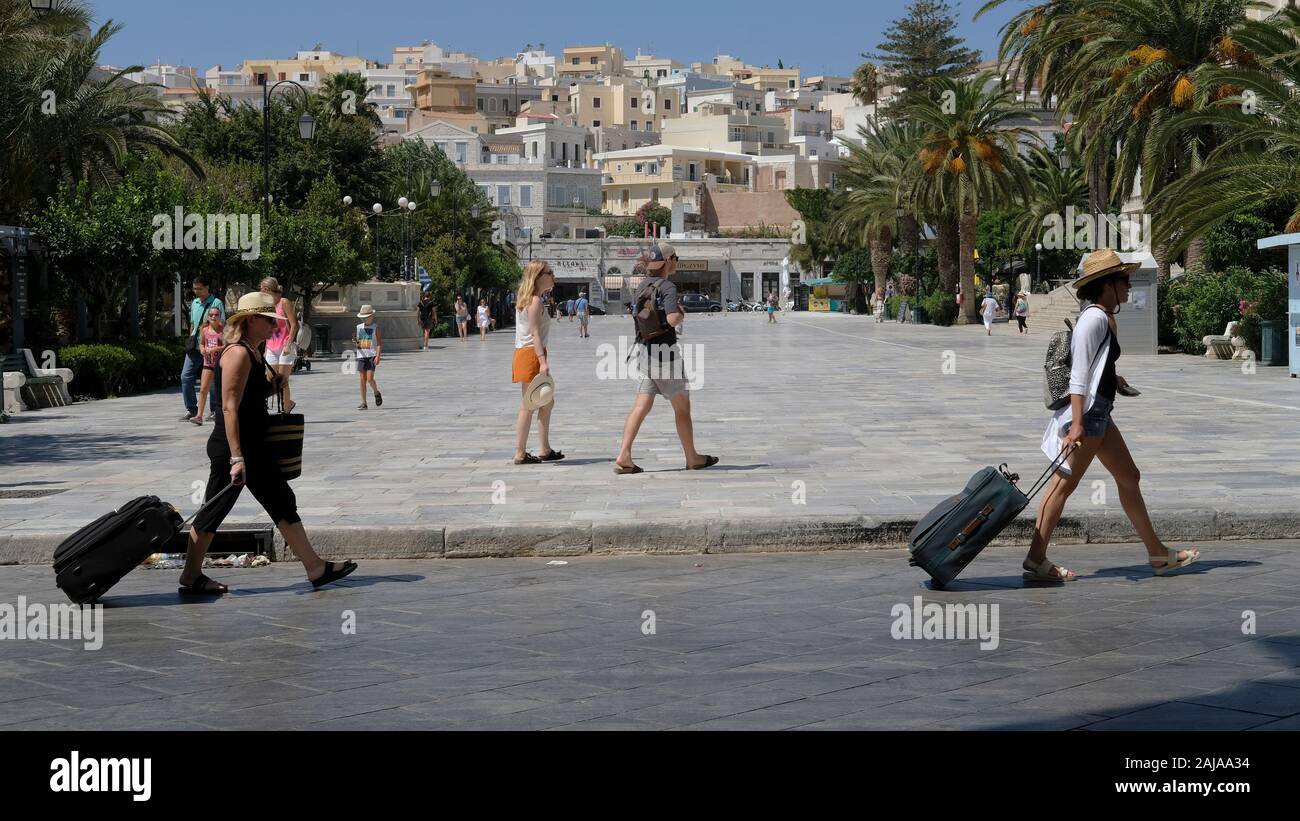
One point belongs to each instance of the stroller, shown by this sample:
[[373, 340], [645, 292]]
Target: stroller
[[303, 362]]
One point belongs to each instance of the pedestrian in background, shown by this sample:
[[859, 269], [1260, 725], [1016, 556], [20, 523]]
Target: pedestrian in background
[[212, 345], [1022, 310], [282, 347], [659, 294], [192, 370], [428, 312], [370, 348], [989, 307], [583, 307], [532, 325], [462, 318], [484, 319]]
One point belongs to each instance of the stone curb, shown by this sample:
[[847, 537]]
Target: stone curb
[[805, 534]]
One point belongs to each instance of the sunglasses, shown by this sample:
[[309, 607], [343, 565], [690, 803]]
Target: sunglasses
[[1126, 280]]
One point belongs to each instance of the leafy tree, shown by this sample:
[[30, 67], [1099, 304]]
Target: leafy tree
[[923, 44]]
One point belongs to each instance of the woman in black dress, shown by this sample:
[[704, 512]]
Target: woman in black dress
[[239, 454]]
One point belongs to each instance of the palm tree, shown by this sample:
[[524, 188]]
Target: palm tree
[[334, 91], [1257, 117], [64, 120], [967, 159], [1140, 65], [1056, 182], [875, 188], [865, 84]]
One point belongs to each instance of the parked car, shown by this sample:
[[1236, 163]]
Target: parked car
[[699, 303]]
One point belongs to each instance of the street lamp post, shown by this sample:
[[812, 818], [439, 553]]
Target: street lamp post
[[1038, 252], [306, 130]]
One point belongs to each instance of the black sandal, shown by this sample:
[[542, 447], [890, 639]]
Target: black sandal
[[203, 586], [709, 461], [528, 459], [622, 471], [553, 456], [333, 573]]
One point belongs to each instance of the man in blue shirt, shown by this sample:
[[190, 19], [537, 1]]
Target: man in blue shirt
[[193, 367], [583, 309]]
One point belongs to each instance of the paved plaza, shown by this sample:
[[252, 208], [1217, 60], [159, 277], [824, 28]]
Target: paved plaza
[[818, 419], [770, 641]]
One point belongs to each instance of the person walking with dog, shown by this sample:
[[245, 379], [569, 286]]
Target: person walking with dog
[[1084, 429], [658, 315], [239, 454]]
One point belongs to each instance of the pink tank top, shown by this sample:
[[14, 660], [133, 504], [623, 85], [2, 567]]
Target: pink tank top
[[276, 343]]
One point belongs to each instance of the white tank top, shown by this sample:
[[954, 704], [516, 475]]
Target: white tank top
[[524, 330]]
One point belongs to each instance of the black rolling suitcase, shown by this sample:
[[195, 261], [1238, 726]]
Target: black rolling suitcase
[[958, 528], [98, 555]]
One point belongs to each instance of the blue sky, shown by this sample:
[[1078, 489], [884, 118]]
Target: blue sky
[[821, 38]]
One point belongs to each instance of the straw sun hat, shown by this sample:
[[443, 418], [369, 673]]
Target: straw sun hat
[[1103, 263], [255, 303], [540, 392]]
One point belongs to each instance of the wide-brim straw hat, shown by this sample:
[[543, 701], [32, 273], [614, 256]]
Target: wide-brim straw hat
[[366, 310], [540, 392], [254, 304], [1103, 263]]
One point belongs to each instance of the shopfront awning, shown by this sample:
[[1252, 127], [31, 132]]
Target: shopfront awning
[[812, 283]]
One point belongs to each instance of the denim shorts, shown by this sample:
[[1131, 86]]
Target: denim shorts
[[1097, 419]]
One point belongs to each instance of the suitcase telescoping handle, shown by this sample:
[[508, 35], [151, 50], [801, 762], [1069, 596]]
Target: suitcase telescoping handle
[[1042, 480], [205, 505]]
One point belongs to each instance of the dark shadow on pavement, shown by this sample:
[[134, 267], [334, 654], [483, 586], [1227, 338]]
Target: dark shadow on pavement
[[37, 448]]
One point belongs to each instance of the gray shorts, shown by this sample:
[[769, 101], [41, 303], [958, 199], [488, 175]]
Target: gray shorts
[[667, 388]]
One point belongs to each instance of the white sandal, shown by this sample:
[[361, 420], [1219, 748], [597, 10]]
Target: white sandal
[[1172, 562]]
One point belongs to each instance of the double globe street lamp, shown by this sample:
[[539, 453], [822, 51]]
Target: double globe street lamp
[[406, 206]]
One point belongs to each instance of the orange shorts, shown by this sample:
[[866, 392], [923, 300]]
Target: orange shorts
[[525, 366]]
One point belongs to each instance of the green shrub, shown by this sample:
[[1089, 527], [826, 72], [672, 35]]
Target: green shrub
[[105, 370], [1202, 304], [940, 308]]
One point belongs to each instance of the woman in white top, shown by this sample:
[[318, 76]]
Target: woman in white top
[[989, 307], [1084, 428], [532, 324], [484, 318]]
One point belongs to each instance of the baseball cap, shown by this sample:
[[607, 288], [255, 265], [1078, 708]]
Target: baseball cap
[[660, 254]]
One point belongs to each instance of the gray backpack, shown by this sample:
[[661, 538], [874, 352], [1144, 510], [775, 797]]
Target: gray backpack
[[1057, 365]]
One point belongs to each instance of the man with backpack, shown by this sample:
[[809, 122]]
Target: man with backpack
[[658, 316]]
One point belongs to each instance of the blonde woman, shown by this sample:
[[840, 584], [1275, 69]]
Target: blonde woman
[[532, 324], [282, 347], [239, 454]]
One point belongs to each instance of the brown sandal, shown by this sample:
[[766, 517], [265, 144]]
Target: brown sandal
[[709, 461], [620, 470]]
